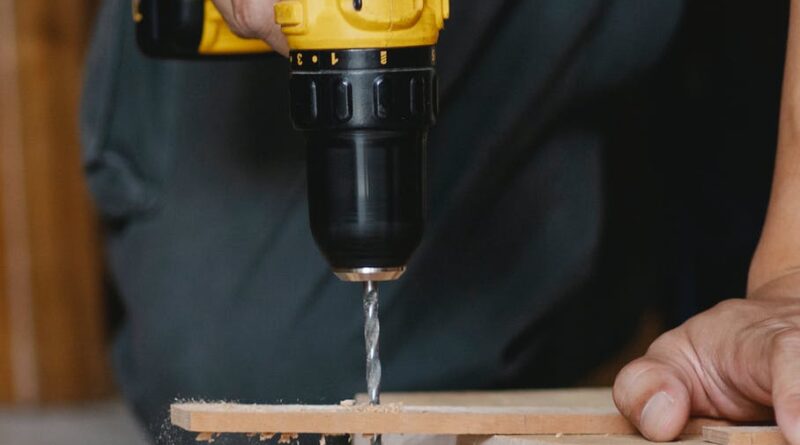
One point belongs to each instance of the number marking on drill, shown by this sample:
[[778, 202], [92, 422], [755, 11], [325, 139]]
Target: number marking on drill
[[384, 57], [314, 58], [299, 59], [334, 59]]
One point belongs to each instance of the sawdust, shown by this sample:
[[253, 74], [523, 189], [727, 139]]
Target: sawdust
[[263, 437], [287, 438], [394, 407], [322, 439], [205, 437]]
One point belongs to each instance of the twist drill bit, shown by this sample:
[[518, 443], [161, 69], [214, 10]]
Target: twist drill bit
[[372, 330]]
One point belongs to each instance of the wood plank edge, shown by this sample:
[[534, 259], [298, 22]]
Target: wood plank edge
[[744, 435]]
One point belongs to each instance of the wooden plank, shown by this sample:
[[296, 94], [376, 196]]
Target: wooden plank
[[583, 411], [565, 439], [576, 397], [583, 397], [744, 435], [395, 418]]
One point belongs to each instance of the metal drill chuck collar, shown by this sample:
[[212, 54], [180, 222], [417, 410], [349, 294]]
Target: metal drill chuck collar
[[365, 114], [366, 274]]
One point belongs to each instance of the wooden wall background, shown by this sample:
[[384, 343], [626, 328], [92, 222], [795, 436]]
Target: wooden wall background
[[53, 341]]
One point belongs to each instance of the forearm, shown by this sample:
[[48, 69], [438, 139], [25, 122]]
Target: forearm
[[775, 269]]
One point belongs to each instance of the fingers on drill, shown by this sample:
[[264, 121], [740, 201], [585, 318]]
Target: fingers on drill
[[785, 366], [654, 397], [254, 19]]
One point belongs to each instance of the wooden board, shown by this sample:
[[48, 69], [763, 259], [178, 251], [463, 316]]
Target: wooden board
[[744, 435], [395, 418], [551, 439], [518, 412], [564, 398], [604, 439]]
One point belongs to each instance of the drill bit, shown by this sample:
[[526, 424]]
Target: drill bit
[[372, 330]]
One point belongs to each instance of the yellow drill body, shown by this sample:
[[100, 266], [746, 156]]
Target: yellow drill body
[[336, 24]]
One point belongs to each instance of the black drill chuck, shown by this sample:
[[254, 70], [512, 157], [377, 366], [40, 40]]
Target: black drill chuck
[[365, 114]]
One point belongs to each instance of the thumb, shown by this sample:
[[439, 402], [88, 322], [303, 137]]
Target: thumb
[[654, 397], [254, 19], [785, 370]]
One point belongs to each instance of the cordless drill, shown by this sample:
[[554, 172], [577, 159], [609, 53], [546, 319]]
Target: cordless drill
[[364, 92]]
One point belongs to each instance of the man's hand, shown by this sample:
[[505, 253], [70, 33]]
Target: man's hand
[[734, 361], [254, 19]]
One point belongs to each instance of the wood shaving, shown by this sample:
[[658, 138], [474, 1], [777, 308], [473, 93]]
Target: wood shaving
[[263, 437], [287, 437], [205, 437], [395, 407], [322, 439], [558, 435]]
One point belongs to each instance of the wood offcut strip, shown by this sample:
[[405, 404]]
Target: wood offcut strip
[[567, 439], [744, 435], [399, 419]]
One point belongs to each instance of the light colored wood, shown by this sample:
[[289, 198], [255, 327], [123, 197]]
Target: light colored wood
[[583, 397], [588, 411], [580, 397], [550, 439], [54, 344], [399, 419], [566, 439], [744, 435]]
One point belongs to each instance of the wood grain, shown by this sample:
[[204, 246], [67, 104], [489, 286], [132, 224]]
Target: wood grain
[[517, 412], [399, 419], [744, 435], [604, 439], [550, 439], [583, 397]]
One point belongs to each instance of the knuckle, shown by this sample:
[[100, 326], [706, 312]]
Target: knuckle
[[621, 391], [245, 14], [633, 371], [667, 341], [728, 309], [730, 305], [629, 371], [787, 341]]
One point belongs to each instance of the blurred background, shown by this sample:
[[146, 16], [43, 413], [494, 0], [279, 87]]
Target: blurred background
[[55, 380], [710, 183]]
